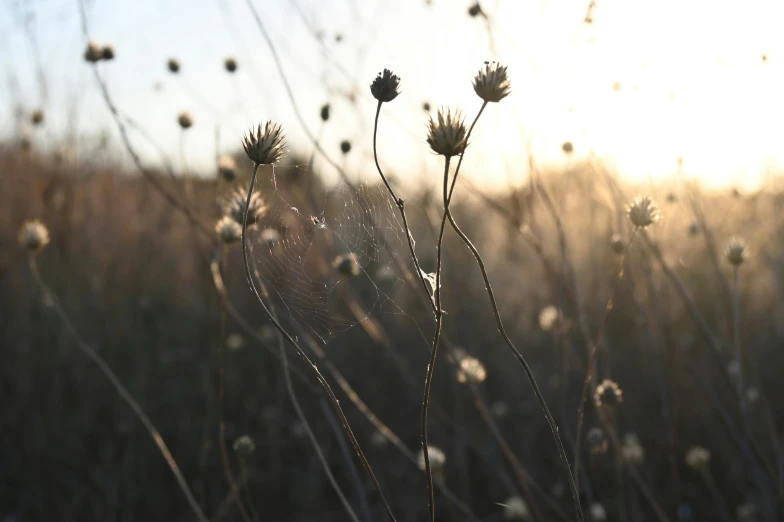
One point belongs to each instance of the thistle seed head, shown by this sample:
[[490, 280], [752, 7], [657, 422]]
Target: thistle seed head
[[227, 168], [698, 458], [567, 147], [470, 369], [37, 117], [228, 230], [230, 63], [643, 212], [33, 236], [631, 449], [347, 266], [173, 66], [437, 459], [736, 251], [234, 206], [244, 446], [515, 508], [265, 144], [598, 513], [597, 441], [549, 318], [345, 146], [608, 393], [93, 53], [492, 83], [185, 119], [325, 112], [447, 133], [107, 52], [386, 86], [617, 244]]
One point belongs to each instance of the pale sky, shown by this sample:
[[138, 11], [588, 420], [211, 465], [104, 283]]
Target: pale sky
[[644, 84]]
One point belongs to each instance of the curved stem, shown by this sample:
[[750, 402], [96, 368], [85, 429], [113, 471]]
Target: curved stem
[[301, 353], [121, 390]]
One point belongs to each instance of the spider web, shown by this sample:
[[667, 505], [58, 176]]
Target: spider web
[[307, 230]]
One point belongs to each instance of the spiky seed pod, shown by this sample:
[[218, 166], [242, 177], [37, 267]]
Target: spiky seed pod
[[698, 458], [37, 117], [107, 52], [567, 147], [491, 83], [93, 53], [325, 112], [386, 86], [447, 133], [33, 236], [608, 393], [228, 230], [234, 206], [347, 266], [736, 251], [598, 513], [265, 144], [173, 66], [230, 64], [227, 168], [515, 508], [345, 146], [185, 119], [617, 244], [244, 446], [643, 212], [597, 441]]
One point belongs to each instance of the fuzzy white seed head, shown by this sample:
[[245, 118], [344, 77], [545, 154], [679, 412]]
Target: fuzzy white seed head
[[698, 457], [631, 449], [470, 369], [736, 251], [608, 393], [33, 236], [228, 230], [598, 513], [234, 206], [515, 508], [437, 459], [244, 446]]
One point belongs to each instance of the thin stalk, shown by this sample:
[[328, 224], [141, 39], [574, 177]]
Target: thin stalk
[[121, 390], [433, 352], [736, 341], [301, 353]]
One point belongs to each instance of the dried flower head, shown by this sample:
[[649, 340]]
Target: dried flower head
[[631, 449], [173, 65], [736, 251], [437, 460], [447, 133], [37, 117], [230, 63], [608, 393], [491, 83], [697, 457], [475, 10], [228, 230], [185, 119], [567, 147], [426, 107], [643, 212], [386, 86], [598, 513], [325, 112], [33, 236], [265, 144], [107, 52], [234, 206], [515, 508], [244, 446], [235, 342], [93, 53], [617, 244], [345, 146], [470, 369], [549, 318], [347, 266], [227, 168], [597, 441]]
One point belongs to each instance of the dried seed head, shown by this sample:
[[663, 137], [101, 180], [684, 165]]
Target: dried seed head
[[386, 86], [325, 112], [608, 393], [567, 147], [631, 449], [736, 251], [470, 369], [597, 441], [347, 266], [378, 439], [230, 64], [475, 10], [447, 133], [598, 513], [491, 83], [698, 458], [437, 459], [185, 119], [549, 318], [515, 508], [244, 446], [33, 236], [37, 117], [93, 53], [643, 212], [617, 244], [107, 52], [173, 65], [234, 206], [227, 167], [235, 342], [345, 146], [694, 229], [229, 231], [265, 144]]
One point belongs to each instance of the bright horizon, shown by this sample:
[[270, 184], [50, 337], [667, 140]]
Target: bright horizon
[[640, 87]]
